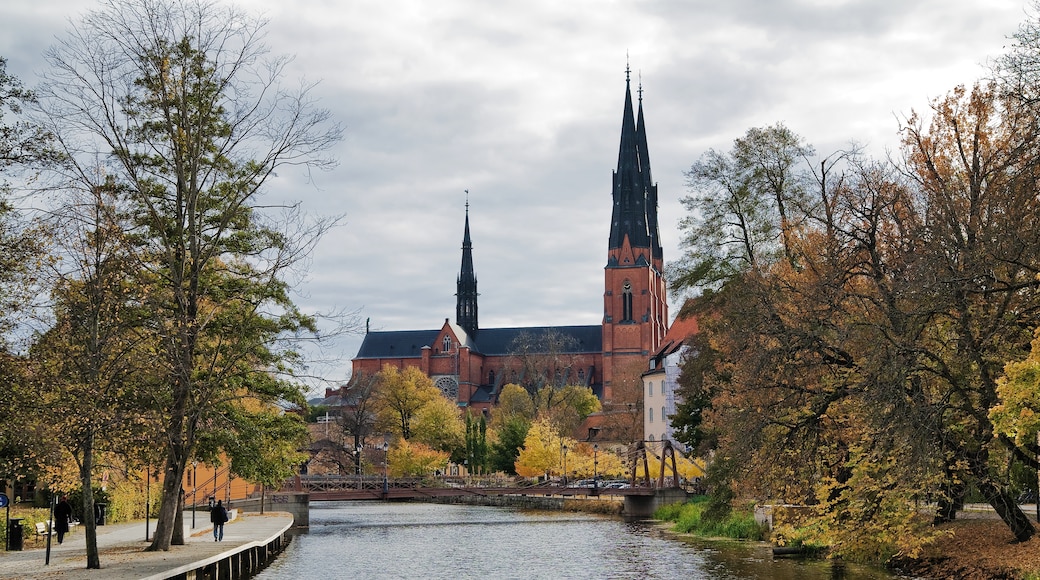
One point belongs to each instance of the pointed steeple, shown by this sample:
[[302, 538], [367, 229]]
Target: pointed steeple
[[651, 187], [630, 213], [466, 294]]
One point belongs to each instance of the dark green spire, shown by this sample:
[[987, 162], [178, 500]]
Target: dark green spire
[[466, 294], [635, 198]]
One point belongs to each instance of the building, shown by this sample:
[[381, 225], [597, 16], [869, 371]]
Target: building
[[661, 380], [471, 364]]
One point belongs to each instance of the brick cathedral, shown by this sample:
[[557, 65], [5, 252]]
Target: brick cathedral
[[471, 364]]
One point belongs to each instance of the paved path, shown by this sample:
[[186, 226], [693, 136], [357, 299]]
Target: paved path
[[122, 545]]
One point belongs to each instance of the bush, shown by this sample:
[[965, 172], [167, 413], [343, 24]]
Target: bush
[[691, 518]]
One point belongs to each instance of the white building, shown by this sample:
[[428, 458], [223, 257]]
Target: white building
[[661, 380]]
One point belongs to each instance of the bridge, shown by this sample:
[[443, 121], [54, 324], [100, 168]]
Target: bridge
[[641, 496], [352, 488]]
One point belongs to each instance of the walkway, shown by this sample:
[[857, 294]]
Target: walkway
[[122, 545]]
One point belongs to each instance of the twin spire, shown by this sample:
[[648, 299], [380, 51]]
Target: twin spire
[[635, 194], [634, 214]]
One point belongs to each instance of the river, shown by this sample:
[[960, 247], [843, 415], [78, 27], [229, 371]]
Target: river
[[434, 541]]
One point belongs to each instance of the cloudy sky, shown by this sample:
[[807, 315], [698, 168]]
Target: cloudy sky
[[520, 102]]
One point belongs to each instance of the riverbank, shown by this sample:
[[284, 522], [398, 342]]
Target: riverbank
[[977, 549], [122, 550]]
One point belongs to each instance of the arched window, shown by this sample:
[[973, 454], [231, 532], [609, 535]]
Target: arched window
[[651, 412], [664, 414], [447, 343], [651, 438], [626, 302], [650, 389], [491, 377]]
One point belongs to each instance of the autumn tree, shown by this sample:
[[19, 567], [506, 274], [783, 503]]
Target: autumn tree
[[510, 420], [439, 424], [567, 406], [859, 366], [414, 459], [182, 101], [400, 395], [542, 453], [25, 148], [357, 416], [93, 366]]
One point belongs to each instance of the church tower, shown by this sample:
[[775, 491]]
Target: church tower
[[466, 293], [635, 301]]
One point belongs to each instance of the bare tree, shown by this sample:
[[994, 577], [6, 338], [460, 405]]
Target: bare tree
[[182, 102]]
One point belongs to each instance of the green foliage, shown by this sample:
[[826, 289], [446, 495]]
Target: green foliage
[[477, 455], [506, 449], [314, 412], [690, 518]]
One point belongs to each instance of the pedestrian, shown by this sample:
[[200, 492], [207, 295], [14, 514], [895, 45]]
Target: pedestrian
[[62, 517], [218, 515]]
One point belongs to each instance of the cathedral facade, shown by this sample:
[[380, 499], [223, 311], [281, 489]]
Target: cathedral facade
[[471, 364]]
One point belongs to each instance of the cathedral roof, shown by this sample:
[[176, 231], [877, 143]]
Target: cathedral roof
[[490, 342]]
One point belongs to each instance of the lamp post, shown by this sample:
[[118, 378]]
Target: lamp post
[[358, 459], [565, 466], [386, 483], [595, 466], [194, 488], [147, 502]]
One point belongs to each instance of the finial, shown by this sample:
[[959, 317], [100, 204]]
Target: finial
[[467, 200], [628, 69], [640, 90]]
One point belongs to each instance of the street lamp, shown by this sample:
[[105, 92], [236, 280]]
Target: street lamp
[[595, 466], [386, 483], [194, 487], [358, 459], [565, 466]]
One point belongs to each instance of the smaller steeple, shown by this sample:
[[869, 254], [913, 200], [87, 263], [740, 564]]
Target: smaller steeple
[[466, 294]]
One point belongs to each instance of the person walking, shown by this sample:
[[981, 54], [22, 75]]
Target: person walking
[[218, 515], [62, 518]]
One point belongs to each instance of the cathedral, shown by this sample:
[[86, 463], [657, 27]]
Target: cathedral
[[470, 364]]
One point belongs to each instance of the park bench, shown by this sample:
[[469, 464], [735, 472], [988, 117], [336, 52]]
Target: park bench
[[41, 528]]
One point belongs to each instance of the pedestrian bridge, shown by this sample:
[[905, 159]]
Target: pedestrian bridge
[[639, 500]]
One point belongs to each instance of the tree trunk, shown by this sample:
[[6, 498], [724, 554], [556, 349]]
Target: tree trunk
[[171, 491], [178, 521], [1008, 511], [948, 504], [87, 516]]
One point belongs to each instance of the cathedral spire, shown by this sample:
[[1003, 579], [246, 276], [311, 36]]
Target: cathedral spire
[[630, 217], [647, 179], [466, 294]]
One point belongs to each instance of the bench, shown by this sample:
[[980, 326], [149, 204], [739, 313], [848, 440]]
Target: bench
[[41, 528]]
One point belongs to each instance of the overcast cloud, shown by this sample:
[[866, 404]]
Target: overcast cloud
[[520, 102]]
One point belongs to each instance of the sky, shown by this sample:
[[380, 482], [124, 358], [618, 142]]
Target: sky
[[520, 103]]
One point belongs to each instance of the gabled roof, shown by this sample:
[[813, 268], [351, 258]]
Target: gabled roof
[[491, 341], [498, 341], [396, 343]]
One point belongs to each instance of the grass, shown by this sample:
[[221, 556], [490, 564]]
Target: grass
[[688, 518]]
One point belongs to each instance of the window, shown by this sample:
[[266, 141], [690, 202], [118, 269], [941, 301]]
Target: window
[[626, 302], [664, 414], [491, 377], [651, 438], [650, 389], [651, 411], [447, 343]]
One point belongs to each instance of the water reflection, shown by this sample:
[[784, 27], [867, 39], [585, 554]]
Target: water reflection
[[431, 541]]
